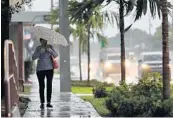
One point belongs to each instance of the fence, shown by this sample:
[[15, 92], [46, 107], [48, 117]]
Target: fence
[[11, 81]]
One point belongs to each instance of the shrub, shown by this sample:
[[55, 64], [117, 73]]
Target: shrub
[[163, 109], [99, 91], [149, 86], [143, 99], [116, 98]]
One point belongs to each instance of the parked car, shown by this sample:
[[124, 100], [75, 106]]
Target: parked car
[[149, 62]]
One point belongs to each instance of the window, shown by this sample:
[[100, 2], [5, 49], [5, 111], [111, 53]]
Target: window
[[153, 57]]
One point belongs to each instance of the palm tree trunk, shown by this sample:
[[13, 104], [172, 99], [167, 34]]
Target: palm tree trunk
[[88, 53], [80, 69], [5, 35], [165, 51], [123, 71]]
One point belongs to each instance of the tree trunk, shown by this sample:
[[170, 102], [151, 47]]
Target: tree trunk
[[5, 35], [165, 51], [88, 54], [80, 68], [2, 69], [123, 71]]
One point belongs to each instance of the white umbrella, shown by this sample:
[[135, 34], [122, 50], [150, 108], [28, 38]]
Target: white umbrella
[[50, 35]]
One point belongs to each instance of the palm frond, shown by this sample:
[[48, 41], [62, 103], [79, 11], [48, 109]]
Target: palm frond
[[126, 29], [139, 6], [155, 7], [82, 10], [54, 16], [145, 7], [129, 6], [110, 17]]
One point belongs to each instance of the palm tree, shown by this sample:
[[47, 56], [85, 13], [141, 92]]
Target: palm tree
[[88, 7], [76, 32], [81, 33], [141, 7], [160, 6], [123, 69], [93, 21], [165, 50]]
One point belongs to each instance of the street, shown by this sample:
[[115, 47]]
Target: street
[[131, 74]]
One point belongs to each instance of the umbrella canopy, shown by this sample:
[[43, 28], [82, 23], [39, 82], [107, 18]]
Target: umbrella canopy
[[50, 35]]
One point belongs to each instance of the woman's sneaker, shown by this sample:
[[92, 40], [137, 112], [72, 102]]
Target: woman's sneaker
[[42, 106], [49, 105]]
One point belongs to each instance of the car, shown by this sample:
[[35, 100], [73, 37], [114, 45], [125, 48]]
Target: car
[[149, 62], [112, 64]]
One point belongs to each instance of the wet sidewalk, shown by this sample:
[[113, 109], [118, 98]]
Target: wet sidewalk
[[64, 104]]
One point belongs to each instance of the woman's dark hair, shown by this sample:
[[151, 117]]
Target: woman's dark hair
[[41, 39]]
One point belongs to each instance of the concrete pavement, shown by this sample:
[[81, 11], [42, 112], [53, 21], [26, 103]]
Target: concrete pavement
[[64, 104]]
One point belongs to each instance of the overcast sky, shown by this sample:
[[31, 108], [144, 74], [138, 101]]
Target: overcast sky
[[143, 24]]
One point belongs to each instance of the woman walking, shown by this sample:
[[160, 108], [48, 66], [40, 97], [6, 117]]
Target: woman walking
[[44, 54]]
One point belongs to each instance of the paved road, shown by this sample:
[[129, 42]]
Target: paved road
[[131, 76]]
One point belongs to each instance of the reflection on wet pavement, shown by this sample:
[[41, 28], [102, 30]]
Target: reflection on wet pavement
[[64, 104]]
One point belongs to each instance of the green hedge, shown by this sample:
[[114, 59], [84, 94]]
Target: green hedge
[[92, 83], [99, 91], [143, 99]]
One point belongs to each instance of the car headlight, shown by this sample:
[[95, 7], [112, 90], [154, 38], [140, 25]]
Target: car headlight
[[108, 65], [91, 65], [127, 63], [145, 66]]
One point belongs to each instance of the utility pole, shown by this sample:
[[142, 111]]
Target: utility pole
[[65, 81], [51, 10], [172, 18], [150, 24]]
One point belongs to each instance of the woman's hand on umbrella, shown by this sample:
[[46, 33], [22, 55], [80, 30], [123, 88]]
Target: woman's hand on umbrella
[[49, 50]]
